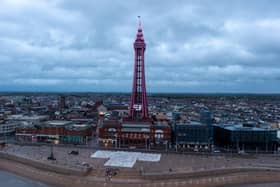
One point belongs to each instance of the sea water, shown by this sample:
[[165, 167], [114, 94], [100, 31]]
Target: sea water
[[256, 185], [11, 180]]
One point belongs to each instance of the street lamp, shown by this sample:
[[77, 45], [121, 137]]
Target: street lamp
[[51, 157], [116, 140], [146, 141], [166, 145]]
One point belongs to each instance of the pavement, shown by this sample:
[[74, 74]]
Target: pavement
[[168, 162]]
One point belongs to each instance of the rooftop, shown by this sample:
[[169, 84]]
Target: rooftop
[[197, 123], [57, 123], [240, 127], [26, 117]]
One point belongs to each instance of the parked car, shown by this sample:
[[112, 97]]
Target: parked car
[[73, 153]]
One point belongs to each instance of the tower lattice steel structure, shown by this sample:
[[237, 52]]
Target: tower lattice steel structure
[[138, 103]]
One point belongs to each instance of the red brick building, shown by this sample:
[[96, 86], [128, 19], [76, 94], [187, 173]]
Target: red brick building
[[120, 133]]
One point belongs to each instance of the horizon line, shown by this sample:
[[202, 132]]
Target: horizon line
[[148, 93]]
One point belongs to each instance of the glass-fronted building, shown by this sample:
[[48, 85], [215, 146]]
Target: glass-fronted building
[[241, 137], [193, 135]]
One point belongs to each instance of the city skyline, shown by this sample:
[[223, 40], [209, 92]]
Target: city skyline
[[192, 47]]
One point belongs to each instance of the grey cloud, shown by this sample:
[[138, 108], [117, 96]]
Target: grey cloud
[[192, 46]]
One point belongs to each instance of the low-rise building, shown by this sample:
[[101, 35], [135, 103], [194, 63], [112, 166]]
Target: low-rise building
[[62, 131], [8, 127], [193, 135]]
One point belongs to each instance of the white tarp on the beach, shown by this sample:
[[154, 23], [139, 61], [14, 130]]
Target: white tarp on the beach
[[125, 159]]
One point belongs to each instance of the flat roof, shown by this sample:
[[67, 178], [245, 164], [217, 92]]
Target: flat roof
[[136, 125], [240, 127], [191, 123], [58, 123], [26, 117]]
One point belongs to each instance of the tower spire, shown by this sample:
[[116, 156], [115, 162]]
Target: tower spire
[[139, 23], [139, 36]]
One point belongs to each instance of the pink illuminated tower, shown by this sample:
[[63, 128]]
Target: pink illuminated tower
[[138, 103]]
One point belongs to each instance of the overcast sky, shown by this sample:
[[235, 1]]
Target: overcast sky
[[192, 46]]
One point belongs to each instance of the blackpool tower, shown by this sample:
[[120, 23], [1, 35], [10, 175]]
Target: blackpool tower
[[138, 103]]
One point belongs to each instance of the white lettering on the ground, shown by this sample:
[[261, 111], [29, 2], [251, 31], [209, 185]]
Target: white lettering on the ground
[[125, 159]]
